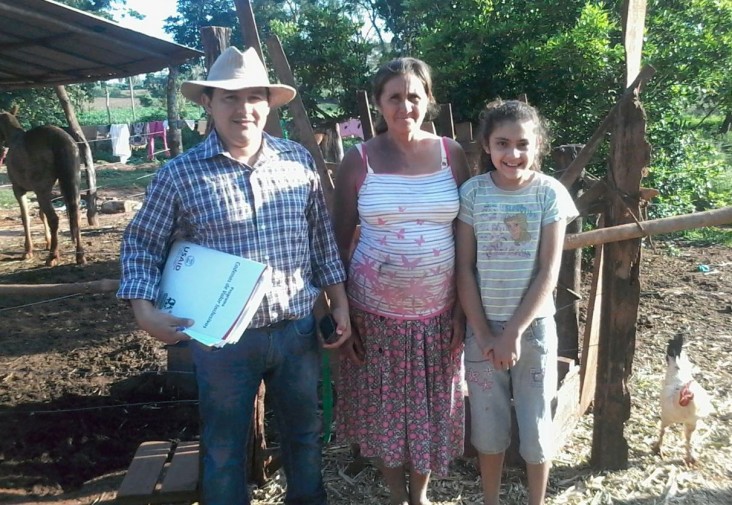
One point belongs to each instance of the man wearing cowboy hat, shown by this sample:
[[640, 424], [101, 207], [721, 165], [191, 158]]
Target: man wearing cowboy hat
[[247, 193]]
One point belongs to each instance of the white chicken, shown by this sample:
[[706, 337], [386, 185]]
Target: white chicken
[[683, 400]]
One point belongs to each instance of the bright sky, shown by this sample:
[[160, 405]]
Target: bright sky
[[155, 12]]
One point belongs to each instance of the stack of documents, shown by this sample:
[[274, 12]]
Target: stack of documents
[[219, 291]]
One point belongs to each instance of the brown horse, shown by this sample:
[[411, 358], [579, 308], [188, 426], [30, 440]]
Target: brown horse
[[36, 159]]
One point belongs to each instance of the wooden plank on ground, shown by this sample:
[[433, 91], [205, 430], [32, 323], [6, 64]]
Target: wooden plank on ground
[[181, 477], [144, 471], [567, 411]]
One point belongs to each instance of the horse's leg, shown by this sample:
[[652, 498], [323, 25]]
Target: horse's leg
[[46, 230], [23, 203], [44, 201], [76, 236]]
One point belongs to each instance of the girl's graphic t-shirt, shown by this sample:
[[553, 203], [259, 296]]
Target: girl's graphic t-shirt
[[507, 227]]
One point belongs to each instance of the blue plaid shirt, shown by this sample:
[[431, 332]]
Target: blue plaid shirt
[[273, 213]]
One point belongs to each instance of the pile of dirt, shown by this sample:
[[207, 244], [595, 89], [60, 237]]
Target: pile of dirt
[[81, 387]]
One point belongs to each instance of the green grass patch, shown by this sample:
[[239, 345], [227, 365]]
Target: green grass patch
[[110, 179], [7, 199], [702, 237]]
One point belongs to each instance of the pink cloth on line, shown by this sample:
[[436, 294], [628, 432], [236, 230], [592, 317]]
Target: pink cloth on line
[[350, 128], [156, 129]]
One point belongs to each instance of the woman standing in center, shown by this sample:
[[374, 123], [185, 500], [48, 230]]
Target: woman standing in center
[[400, 395]]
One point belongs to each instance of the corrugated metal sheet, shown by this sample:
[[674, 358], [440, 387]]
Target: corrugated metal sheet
[[44, 43]]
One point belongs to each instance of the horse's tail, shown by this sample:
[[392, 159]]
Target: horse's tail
[[68, 171]]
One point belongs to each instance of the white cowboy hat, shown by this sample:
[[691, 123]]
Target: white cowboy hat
[[235, 70]]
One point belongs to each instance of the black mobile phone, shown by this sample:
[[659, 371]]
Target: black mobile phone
[[328, 329]]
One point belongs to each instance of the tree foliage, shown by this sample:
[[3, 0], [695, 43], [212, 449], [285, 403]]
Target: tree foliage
[[323, 44], [563, 55]]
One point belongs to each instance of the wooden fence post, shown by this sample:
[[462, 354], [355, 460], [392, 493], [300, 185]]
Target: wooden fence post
[[570, 279], [630, 155]]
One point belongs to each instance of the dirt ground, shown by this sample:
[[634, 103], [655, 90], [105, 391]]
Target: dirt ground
[[81, 387]]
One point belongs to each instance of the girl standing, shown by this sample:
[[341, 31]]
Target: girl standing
[[509, 237]]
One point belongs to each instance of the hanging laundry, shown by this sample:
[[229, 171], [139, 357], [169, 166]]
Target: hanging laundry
[[156, 129], [350, 128], [139, 133], [191, 124], [201, 126], [120, 134]]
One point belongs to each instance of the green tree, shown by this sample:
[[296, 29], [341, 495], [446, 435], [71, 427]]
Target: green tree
[[322, 41], [567, 56], [690, 45], [561, 54]]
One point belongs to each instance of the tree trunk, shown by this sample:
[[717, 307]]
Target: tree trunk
[[78, 134], [175, 141], [214, 39], [726, 124]]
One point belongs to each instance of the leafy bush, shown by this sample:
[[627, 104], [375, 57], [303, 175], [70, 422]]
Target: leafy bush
[[689, 168]]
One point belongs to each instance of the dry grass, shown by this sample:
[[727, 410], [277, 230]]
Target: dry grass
[[675, 297]]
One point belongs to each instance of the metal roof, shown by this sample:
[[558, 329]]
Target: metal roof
[[44, 43]]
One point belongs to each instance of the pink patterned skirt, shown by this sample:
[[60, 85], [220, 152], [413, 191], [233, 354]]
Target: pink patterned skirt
[[405, 404]]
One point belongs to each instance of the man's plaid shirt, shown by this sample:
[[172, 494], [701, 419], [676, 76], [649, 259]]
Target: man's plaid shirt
[[273, 213]]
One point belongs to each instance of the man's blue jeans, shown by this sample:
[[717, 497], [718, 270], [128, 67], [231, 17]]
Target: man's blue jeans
[[287, 357]]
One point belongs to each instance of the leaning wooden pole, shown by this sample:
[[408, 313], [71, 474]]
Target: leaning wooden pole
[[575, 168], [305, 133]]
